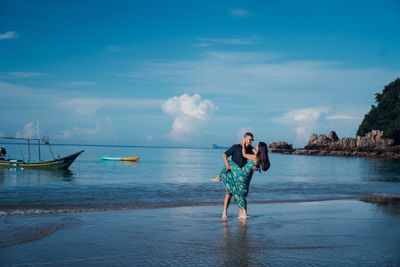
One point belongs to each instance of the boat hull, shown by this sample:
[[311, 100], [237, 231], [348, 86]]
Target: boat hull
[[121, 159], [60, 163]]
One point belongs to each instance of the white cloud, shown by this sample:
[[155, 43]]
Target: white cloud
[[25, 74], [342, 117], [29, 131], [8, 35], [90, 106], [77, 83], [304, 121], [206, 42], [101, 131], [239, 12], [188, 111], [12, 88]]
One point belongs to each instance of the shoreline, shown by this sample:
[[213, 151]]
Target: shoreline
[[329, 233], [375, 199]]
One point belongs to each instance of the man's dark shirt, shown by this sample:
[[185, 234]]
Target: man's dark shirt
[[236, 152]]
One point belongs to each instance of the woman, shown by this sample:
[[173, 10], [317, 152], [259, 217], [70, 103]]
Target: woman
[[237, 180]]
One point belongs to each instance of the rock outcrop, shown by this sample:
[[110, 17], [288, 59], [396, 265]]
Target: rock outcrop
[[373, 144], [281, 147]]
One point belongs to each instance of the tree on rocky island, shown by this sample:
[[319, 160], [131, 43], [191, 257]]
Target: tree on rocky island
[[385, 115]]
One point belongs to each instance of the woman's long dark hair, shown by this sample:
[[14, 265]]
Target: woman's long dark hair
[[263, 154]]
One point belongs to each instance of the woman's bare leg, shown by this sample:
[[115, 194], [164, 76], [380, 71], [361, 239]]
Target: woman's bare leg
[[227, 201], [242, 213]]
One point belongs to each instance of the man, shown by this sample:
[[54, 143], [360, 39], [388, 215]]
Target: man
[[235, 152], [3, 153]]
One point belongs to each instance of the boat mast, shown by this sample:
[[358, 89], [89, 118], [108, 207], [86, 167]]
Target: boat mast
[[38, 136], [29, 148]]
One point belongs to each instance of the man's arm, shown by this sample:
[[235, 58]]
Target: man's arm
[[225, 156], [227, 165]]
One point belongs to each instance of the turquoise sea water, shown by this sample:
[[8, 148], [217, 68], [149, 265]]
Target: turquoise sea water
[[168, 177]]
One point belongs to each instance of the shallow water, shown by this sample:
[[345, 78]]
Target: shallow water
[[328, 233], [167, 177]]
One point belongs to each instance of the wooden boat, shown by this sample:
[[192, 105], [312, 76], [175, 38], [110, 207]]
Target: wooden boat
[[121, 159], [60, 163], [55, 163]]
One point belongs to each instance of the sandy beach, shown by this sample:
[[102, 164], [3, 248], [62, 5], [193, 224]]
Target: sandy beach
[[326, 233]]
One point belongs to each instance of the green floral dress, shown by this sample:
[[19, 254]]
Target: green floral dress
[[237, 181]]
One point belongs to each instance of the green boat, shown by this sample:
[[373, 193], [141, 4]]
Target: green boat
[[55, 163]]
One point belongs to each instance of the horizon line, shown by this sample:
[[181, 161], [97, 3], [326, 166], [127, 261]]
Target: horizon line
[[110, 145]]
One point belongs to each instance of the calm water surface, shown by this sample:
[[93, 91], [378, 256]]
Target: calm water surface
[[177, 177]]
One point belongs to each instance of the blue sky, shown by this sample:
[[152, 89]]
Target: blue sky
[[193, 73]]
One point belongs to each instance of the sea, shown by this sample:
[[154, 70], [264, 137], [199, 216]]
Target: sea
[[176, 177]]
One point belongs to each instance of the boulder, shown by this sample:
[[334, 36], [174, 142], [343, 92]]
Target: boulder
[[320, 141], [280, 146], [333, 136], [374, 140]]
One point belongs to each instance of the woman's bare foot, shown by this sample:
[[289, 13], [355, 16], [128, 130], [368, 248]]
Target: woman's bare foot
[[216, 179], [242, 214], [243, 217]]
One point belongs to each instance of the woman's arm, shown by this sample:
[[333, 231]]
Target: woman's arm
[[248, 156]]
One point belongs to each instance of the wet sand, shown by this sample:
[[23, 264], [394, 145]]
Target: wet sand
[[327, 233]]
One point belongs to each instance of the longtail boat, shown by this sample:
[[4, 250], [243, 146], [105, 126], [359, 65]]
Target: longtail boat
[[55, 163]]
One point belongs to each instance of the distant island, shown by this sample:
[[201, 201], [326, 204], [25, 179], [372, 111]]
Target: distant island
[[378, 135], [219, 147]]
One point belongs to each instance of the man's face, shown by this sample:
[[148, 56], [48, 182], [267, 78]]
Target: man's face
[[248, 140]]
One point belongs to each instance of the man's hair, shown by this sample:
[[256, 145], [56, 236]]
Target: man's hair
[[248, 134]]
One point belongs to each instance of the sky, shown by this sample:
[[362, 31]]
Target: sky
[[193, 73]]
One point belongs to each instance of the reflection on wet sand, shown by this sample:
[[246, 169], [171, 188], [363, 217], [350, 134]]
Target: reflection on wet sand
[[2, 176], [389, 204], [236, 247]]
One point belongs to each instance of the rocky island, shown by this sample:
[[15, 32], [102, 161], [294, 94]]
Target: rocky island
[[372, 144], [378, 135]]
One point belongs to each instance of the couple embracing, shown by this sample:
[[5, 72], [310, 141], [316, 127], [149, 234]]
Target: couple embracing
[[238, 171]]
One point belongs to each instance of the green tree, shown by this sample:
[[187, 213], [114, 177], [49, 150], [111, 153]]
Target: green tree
[[385, 115]]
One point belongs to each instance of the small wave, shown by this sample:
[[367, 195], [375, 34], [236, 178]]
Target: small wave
[[37, 211]]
